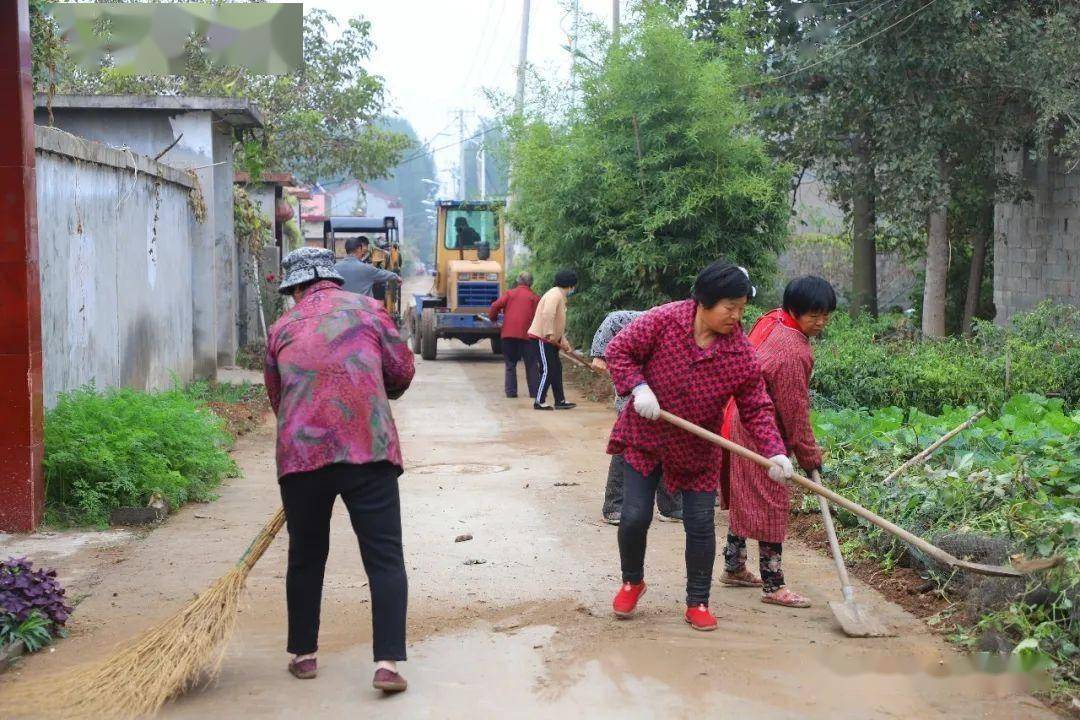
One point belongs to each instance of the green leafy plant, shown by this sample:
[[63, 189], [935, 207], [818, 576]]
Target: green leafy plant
[[875, 363], [204, 392], [122, 447], [1011, 480], [35, 632]]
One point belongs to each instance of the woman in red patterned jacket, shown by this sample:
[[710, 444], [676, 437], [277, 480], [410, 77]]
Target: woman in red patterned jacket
[[759, 508], [690, 358]]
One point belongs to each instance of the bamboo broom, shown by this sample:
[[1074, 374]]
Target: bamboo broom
[[139, 676]]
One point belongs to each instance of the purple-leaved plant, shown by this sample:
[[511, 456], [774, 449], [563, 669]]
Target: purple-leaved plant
[[23, 590]]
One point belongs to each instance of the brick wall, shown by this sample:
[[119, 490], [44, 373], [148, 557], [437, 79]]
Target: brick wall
[[1037, 241]]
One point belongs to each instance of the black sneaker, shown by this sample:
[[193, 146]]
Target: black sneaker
[[612, 518], [538, 406], [673, 517], [565, 406]]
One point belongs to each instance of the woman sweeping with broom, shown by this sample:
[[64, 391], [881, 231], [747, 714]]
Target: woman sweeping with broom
[[332, 364], [759, 508], [690, 358]]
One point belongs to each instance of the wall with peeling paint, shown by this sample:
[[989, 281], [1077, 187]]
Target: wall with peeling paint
[[116, 234]]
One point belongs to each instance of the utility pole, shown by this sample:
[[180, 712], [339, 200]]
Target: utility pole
[[523, 58], [615, 21], [461, 154], [481, 170]]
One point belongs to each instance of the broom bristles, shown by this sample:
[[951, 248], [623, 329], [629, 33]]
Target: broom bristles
[[138, 677]]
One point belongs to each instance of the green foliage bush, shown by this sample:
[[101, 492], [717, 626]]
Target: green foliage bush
[[652, 175], [1015, 476], [105, 450], [876, 363]]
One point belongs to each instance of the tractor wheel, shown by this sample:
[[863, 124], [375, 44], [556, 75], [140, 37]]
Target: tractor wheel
[[414, 332], [427, 334], [496, 345]]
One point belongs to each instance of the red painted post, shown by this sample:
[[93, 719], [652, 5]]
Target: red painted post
[[22, 484]]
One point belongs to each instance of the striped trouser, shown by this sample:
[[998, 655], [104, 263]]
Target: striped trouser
[[550, 373]]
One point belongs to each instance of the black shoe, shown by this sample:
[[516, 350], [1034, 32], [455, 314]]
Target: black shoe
[[538, 406], [612, 518], [512, 397], [565, 406]]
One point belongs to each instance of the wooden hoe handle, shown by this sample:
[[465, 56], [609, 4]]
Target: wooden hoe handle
[[914, 540]]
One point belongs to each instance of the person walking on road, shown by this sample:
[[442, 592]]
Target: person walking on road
[[333, 364], [689, 358], [360, 276], [548, 331], [518, 307], [668, 504], [758, 508]]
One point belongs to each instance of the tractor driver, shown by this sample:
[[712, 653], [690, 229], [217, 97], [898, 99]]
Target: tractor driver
[[466, 235]]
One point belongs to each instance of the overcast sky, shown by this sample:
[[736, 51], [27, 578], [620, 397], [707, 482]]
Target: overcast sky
[[438, 56]]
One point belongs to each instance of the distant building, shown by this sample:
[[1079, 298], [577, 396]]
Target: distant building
[[347, 198]]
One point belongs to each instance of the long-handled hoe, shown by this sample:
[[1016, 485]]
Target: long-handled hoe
[[910, 538]]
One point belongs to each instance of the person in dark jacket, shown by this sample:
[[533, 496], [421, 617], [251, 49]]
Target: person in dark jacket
[[518, 306], [361, 276]]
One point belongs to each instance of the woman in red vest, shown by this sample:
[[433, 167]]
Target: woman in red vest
[[759, 507]]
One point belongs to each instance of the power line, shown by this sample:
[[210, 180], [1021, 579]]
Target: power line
[[424, 145], [453, 144], [841, 51], [495, 32], [483, 38]]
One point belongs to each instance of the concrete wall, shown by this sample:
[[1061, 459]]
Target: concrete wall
[[199, 142], [831, 259], [116, 238], [1037, 242], [815, 212], [814, 249]]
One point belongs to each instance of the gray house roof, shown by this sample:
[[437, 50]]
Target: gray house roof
[[234, 111]]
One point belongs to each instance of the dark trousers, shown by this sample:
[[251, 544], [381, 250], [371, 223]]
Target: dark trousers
[[639, 492], [551, 373], [525, 351], [770, 561], [667, 503], [370, 493]]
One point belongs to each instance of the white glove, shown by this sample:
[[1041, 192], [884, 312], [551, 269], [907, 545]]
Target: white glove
[[781, 469], [647, 405]]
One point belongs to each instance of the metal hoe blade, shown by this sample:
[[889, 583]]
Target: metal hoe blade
[[857, 621]]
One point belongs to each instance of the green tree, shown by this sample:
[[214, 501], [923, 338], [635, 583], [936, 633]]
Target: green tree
[[406, 181], [900, 106], [654, 173], [320, 120]]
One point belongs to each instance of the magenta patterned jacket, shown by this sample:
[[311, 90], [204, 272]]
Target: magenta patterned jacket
[[659, 349], [333, 363]]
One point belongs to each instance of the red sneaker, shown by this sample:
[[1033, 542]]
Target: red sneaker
[[700, 618], [626, 599]]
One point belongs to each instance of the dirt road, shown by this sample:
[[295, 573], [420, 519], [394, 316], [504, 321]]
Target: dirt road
[[527, 633]]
